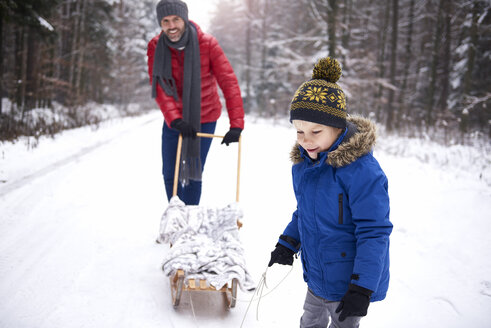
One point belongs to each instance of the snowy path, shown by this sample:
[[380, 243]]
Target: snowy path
[[79, 216]]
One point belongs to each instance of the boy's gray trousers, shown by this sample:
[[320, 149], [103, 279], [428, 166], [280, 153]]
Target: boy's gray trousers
[[318, 310]]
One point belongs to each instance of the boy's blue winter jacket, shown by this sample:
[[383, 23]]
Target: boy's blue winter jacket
[[342, 216]]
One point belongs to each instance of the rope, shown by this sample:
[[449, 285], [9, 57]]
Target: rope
[[259, 291], [269, 292], [192, 309]]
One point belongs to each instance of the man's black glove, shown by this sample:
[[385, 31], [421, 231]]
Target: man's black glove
[[184, 127], [354, 303], [232, 136], [281, 255]]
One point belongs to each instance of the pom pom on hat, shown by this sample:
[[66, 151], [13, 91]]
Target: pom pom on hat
[[327, 69], [321, 100]]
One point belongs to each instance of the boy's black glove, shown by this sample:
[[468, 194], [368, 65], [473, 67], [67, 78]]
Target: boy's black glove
[[184, 127], [354, 303], [281, 255], [232, 136]]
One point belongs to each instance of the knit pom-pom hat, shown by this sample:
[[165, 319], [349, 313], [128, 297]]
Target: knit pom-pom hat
[[321, 100]]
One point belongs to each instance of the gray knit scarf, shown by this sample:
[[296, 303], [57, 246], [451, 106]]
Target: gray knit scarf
[[191, 94]]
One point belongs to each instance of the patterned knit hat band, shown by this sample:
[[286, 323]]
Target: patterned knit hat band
[[172, 7], [321, 100]]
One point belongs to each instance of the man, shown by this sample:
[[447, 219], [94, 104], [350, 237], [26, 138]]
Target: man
[[184, 65]]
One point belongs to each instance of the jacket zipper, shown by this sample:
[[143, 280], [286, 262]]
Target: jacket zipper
[[340, 203]]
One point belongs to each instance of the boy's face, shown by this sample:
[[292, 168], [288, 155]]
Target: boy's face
[[173, 26], [314, 137]]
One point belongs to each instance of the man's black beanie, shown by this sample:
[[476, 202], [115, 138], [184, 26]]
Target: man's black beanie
[[172, 7]]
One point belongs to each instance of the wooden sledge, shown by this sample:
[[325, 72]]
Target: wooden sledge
[[177, 281], [178, 286]]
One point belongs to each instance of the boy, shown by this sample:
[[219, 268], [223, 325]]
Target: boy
[[341, 224]]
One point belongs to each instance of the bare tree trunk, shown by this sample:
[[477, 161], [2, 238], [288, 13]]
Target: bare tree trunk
[[331, 26], [366, 21], [32, 69], [381, 57], [23, 71], [434, 64], [248, 55], [73, 53], [262, 76], [1, 62], [445, 83], [348, 4], [58, 69], [393, 58], [81, 53], [407, 62], [471, 57]]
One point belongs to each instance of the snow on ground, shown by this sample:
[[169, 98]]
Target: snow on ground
[[80, 214]]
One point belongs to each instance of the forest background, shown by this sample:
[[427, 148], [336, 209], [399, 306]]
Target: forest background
[[421, 68]]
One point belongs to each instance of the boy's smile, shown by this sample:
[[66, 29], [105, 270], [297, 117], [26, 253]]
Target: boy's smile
[[315, 138]]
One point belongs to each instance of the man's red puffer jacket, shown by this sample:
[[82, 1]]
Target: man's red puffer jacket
[[215, 67]]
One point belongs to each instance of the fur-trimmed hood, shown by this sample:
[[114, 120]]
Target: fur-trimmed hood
[[359, 140]]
